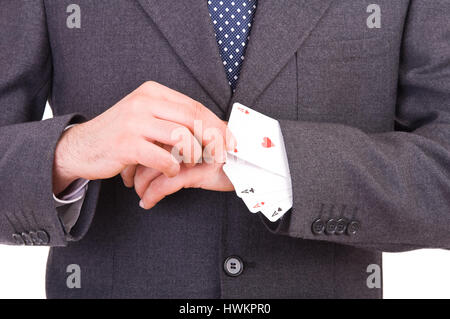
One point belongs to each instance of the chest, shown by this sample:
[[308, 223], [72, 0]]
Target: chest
[[344, 71]]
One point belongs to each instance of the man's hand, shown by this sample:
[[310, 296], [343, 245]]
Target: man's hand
[[131, 133], [152, 186]]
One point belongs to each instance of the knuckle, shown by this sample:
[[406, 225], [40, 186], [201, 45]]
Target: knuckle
[[138, 108], [139, 99], [149, 86], [126, 175], [135, 104], [166, 165], [170, 168]]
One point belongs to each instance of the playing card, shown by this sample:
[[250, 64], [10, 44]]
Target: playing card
[[258, 167], [249, 179], [259, 140], [276, 211], [260, 190], [256, 203]]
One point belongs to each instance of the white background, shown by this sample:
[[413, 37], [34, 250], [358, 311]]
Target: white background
[[417, 274]]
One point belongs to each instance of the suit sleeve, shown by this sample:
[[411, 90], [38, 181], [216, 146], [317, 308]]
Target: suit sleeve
[[27, 211], [387, 191]]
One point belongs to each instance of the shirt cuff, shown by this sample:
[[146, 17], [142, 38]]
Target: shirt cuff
[[73, 193]]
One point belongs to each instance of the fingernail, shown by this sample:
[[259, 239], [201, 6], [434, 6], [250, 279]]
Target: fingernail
[[141, 204]]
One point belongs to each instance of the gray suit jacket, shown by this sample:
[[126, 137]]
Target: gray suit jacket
[[365, 114]]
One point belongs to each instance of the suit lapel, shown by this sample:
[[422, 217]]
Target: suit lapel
[[187, 27], [279, 30]]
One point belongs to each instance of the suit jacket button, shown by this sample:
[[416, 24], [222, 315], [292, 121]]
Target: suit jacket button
[[18, 239], [233, 266], [341, 226], [330, 228], [43, 237], [318, 226], [353, 228], [27, 239], [34, 238]]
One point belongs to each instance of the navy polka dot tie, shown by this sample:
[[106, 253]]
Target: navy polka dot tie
[[232, 20]]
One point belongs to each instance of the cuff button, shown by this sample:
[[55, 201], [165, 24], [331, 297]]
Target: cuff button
[[18, 239], [318, 227], [43, 237], [341, 226], [353, 228], [330, 228], [27, 239]]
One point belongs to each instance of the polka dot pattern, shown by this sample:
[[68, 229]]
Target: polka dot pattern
[[232, 20]]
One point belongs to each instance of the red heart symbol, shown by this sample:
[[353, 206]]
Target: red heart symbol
[[267, 143]]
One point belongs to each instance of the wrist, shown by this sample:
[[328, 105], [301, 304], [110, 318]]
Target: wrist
[[63, 165]]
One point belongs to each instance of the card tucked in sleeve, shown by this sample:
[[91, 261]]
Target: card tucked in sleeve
[[258, 166]]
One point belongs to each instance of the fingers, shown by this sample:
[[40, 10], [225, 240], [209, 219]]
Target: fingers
[[196, 117], [173, 106], [205, 176], [173, 149], [153, 156], [143, 177], [173, 134], [163, 186], [159, 91], [128, 175]]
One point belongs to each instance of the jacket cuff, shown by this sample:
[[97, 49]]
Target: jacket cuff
[[29, 210], [306, 216], [313, 217], [87, 212]]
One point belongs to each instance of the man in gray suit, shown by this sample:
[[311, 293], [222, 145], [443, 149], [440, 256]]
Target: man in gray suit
[[362, 94]]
